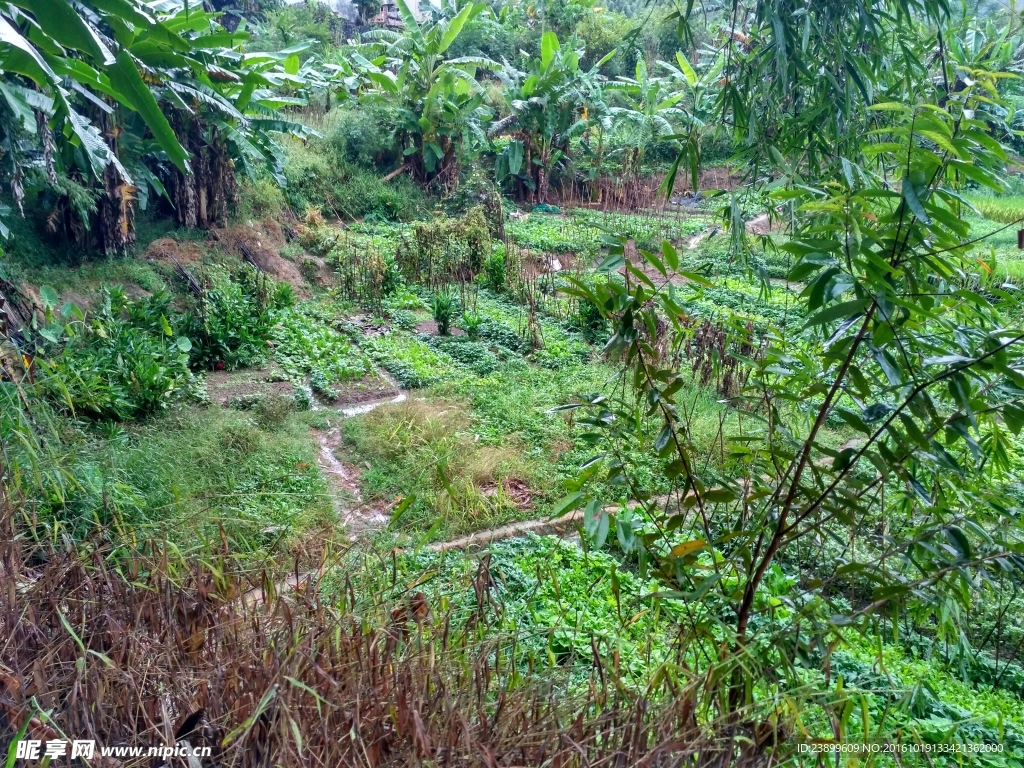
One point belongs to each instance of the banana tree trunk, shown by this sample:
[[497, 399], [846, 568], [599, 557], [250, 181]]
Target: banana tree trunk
[[116, 213], [204, 197]]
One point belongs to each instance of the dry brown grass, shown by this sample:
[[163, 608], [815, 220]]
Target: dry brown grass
[[134, 653]]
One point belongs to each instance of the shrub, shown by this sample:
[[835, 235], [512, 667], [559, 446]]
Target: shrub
[[359, 136], [309, 268], [503, 334], [303, 398], [320, 383], [121, 362], [260, 198], [445, 307], [320, 177], [233, 325], [470, 355]]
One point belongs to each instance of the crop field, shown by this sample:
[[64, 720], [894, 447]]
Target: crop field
[[501, 385]]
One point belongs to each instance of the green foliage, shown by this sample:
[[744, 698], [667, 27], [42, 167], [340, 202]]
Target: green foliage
[[591, 322], [195, 474], [360, 136], [425, 450], [408, 359], [471, 323], [233, 324], [446, 249], [260, 198], [444, 309], [320, 178], [562, 603], [898, 346], [403, 320], [1005, 210], [304, 344], [121, 361], [439, 103], [471, 355], [200, 102], [496, 272], [545, 105], [297, 24]]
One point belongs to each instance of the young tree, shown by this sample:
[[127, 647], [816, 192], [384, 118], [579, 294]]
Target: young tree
[[865, 449]]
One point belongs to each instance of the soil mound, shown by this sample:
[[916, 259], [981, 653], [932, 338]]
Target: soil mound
[[168, 249], [262, 243]]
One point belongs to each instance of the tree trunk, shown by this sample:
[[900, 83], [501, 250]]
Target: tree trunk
[[115, 211], [204, 197]]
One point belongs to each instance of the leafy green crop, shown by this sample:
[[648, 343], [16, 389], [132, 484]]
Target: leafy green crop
[[305, 345], [121, 361]]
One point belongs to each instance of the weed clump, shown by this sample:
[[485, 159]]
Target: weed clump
[[427, 449]]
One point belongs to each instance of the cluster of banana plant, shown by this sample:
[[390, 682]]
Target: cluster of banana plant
[[438, 100], [105, 103], [553, 109]]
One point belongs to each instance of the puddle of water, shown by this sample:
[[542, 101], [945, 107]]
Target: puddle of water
[[357, 516]]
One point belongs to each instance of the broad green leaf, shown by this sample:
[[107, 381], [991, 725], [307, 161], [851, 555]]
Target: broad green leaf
[[455, 26], [124, 76], [549, 46], [60, 20], [515, 156], [686, 69], [48, 296]]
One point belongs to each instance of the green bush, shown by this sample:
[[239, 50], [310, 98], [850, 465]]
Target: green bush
[[360, 136], [471, 355], [444, 308], [122, 361], [320, 177], [260, 198], [233, 325]]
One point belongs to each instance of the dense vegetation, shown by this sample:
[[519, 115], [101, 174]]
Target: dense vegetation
[[514, 385]]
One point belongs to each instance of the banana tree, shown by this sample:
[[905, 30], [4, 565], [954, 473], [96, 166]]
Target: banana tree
[[545, 107], [119, 97], [653, 114], [699, 93], [440, 108]]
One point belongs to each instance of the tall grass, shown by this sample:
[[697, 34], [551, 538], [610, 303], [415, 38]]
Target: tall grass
[[1005, 210]]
